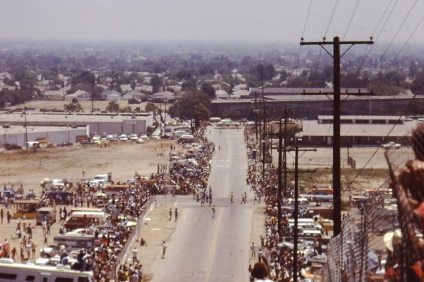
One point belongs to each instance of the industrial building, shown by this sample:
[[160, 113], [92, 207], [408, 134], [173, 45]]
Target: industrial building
[[22, 127], [357, 130], [25, 136]]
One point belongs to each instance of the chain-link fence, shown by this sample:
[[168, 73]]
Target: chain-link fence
[[382, 237]]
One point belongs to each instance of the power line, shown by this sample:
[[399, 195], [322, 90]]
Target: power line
[[331, 18], [382, 17], [307, 18], [387, 135], [351, 18], [388, 17], [397, 32]]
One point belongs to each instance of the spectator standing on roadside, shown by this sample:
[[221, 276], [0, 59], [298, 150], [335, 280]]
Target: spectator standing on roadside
[[1, 215], [134, 255], [163, 249]]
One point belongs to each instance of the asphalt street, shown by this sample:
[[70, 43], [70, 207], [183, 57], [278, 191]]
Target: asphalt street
[[203, 248]]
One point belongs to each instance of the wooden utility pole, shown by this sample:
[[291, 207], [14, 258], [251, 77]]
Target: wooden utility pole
[[337, 207], [296, 205]]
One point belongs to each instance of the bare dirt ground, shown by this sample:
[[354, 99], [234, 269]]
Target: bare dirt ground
[[123, 159]]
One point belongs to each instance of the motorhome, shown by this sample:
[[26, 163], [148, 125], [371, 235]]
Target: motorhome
[[84, 220], [46, 213], [17, 272], [75, 240]]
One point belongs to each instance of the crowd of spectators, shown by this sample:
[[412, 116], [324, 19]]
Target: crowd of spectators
[[277, 253]]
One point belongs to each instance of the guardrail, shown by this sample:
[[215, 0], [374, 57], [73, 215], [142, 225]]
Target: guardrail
[[123, 255]]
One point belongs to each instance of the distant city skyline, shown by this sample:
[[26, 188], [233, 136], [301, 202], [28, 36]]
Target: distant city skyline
[[213, 20]]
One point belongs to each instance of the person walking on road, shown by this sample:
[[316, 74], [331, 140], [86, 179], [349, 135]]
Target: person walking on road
[[163, 249], [213, 211], [170, 214], [232, 197], [253, 250], [176, 214]]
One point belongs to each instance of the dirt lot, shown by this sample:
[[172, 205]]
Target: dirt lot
[[123, 159]]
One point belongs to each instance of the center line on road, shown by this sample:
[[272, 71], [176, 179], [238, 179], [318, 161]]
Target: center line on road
[[213, 247]]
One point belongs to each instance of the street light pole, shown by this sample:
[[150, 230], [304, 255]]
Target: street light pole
[[26, 130]]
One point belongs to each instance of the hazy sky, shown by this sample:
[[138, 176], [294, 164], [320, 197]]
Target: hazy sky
[[211, 20]]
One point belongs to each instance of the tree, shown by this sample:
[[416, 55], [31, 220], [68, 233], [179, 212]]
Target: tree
[[417, 86], [84, 77], [208, 90], [190, 84], [156, 82], [265, 73], [194, 104], [112, 107], [151, 107], [74, 106]]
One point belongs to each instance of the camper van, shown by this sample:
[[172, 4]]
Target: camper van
[[46, 213], [84, 220], [75, 240], [11, 271]]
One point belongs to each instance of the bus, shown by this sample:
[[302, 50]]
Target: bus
[[17, 272]]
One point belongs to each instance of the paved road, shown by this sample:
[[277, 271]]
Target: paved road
[[203, 248]]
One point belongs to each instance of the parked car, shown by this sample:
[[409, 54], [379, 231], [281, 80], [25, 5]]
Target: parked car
[[112, 137], [144, 136], [87, 142], [140, 140], [133, 137], [123, 137], [391, 145]]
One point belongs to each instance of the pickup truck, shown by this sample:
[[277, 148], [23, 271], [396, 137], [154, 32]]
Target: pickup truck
[[390, 145]]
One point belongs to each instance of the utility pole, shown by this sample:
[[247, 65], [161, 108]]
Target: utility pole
[[280, 165], [296, 205], [93, 81], [337, 207]]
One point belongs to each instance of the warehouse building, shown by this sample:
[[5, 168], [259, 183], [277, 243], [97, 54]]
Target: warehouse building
[[356, 130], [18, 135]]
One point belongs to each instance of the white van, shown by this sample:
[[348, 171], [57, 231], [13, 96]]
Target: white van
[[301, 201], [46, 213], [215, 119], [310, 233]]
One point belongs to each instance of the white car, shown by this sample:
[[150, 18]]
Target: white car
[[391, 145], [123, 137], [133, 137], [144, 136], [139, 140]]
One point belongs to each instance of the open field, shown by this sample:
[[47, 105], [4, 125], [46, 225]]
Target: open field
[[123, 159]]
